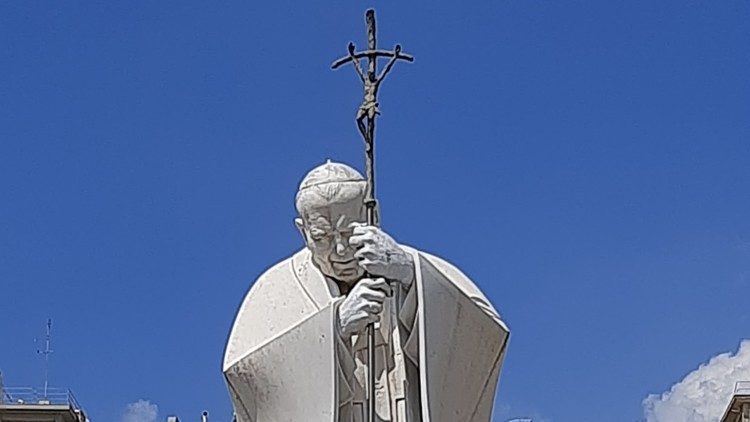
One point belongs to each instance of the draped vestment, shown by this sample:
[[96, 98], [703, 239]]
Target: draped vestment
[[440, 347]]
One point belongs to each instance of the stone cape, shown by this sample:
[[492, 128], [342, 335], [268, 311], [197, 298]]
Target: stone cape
[[281, 360]]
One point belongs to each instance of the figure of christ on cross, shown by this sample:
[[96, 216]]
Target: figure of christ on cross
[[371, 83]]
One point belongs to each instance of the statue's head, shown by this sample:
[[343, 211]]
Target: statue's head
[[331, 198]]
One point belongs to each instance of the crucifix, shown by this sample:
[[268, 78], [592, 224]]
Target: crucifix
[[366, 115]]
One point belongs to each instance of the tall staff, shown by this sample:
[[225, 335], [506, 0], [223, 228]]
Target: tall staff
[[366, 115]]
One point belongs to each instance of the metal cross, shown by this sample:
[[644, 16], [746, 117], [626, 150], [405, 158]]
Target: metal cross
[[371, 79], [366, 115], [369, 109]]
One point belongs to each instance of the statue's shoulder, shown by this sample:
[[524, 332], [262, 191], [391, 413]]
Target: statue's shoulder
[[274, 284], [280, 272], [275, 303], [457, 277], [449, 270]]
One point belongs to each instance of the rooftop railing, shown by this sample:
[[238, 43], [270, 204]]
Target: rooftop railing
[[742, 387], [29, 395]]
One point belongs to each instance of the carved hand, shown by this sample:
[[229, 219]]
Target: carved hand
[[380, 255], [362, 305]]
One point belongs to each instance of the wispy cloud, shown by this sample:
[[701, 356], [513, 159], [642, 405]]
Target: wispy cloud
[[703, 394], [504, 412], [140, 411]]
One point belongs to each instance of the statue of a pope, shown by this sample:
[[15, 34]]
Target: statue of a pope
[[298, 347]]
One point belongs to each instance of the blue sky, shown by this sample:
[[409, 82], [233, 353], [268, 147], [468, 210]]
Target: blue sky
[[585, 162]]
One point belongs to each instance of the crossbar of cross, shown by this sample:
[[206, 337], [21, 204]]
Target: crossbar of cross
[[371, 54]]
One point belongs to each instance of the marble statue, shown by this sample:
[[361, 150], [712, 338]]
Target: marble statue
[[296, 351]]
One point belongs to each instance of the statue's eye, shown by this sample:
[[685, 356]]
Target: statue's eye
[[318, 235]]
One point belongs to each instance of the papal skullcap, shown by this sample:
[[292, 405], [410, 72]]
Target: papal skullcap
[[330, 172]]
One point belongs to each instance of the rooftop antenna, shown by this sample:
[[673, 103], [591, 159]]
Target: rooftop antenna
[[46, 352]]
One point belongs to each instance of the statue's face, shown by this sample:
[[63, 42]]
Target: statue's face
[[326, 231]]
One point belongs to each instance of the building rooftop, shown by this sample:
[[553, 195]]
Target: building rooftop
[[26, 403], [739, 407]]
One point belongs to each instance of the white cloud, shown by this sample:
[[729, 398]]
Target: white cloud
[[702, 396], [503, 412], [140, 411]]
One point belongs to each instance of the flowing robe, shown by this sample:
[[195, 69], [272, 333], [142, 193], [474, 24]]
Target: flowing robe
[[440, 347]]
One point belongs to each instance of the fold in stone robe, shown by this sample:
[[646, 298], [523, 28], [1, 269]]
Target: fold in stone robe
[[440, 346]]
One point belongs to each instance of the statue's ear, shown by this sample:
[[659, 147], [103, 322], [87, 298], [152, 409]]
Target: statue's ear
[[301, 227]]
